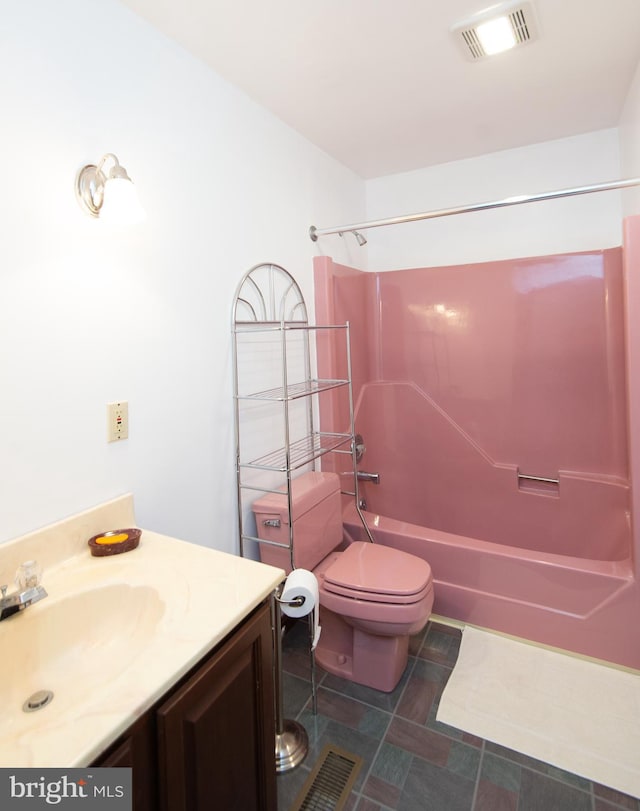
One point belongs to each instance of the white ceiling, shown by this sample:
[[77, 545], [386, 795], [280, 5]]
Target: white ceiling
[[382, 87]]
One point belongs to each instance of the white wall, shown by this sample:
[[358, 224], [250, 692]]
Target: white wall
[[90, 314], [629, 131], [570, 224]]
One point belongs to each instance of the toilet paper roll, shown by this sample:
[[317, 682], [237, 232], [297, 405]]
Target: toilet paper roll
[[302, 583]]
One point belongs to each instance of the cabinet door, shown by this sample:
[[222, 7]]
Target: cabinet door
[[137, 751], [216, 735]]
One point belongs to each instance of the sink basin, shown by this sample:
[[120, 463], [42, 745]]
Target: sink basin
[[74, 646], [115, 634]]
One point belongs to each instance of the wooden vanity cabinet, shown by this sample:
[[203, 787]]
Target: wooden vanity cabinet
[[210, 742], [136, 749], [213, 731]]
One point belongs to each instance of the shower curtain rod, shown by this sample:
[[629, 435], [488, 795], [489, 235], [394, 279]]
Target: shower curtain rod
[[314, 232]]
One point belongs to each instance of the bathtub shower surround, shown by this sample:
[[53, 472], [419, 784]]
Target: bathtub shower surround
[[492, 399]]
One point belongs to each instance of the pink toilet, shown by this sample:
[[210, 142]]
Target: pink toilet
[[372, 597]]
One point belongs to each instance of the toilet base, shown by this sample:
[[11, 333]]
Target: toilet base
[[361, 657]]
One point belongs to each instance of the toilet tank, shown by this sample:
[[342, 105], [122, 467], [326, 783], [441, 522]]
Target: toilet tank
[[317, 521]]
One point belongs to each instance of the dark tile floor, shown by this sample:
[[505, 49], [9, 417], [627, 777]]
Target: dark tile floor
[[411, 761]]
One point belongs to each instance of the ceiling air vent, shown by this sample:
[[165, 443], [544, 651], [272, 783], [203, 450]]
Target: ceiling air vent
[[496, 29]]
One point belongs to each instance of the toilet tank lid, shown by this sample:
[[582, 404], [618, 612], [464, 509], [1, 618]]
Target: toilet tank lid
[[371, 567], [307, 491]]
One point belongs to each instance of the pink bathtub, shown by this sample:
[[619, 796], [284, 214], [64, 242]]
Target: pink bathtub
[[558, 600], [493, 401]]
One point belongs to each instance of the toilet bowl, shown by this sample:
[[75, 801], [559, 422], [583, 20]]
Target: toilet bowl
[[372, 597]]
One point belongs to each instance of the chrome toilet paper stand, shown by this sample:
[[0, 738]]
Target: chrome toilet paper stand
[[292, 741]]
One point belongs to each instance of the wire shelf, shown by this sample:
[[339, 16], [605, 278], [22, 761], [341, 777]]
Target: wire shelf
[[300, 453], [268, 300], [295, 391]]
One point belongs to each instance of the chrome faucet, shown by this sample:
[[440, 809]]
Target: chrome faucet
[[19, 600], [365, 476], [29, 591]]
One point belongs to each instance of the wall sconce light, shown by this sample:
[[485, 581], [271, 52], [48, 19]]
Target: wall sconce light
[[110, 194]]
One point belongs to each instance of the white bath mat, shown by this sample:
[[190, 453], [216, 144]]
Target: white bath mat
[[577, 715]]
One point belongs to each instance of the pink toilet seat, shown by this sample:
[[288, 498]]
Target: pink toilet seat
[[375, 573], [372, 599]]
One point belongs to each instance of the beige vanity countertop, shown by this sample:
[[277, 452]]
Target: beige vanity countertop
[[189, 598]]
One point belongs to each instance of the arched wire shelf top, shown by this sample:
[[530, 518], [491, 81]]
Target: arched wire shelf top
[[268, 294]]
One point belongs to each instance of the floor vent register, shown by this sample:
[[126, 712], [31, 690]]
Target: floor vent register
[[329, 785]]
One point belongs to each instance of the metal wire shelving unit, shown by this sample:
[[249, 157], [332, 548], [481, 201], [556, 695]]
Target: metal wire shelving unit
[[272, 338], [269, 311]]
